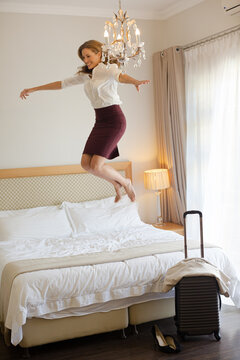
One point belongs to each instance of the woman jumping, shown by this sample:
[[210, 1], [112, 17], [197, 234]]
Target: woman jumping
[[100, 85]]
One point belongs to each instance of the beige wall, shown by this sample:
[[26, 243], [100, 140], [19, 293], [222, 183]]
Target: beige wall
[[198, 22], [51, 128]]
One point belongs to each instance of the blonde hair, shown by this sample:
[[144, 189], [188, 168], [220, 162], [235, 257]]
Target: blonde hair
[[96, 47]]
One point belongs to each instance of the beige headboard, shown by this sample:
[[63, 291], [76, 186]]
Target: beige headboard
[[43, 186]]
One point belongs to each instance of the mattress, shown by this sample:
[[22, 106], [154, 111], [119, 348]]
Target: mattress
[[82, 290]]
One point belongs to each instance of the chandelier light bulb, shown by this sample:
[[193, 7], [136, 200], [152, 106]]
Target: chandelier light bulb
[[137, 33], [106, 36]]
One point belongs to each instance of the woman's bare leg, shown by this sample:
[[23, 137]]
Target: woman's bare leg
[[86, 164], [96, 165], [105, 171]]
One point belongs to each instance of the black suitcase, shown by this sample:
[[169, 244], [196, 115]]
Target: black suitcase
[[197, 299]]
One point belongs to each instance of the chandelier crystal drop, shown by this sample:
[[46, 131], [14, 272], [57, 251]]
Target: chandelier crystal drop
[[122, 40]]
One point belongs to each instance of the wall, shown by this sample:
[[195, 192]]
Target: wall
[[51, 127], [198, 22]]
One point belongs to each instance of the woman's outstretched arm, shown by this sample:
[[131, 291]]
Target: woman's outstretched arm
[[57, 85], [126, 79]]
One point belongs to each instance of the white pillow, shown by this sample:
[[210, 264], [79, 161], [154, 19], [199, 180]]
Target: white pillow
[[102, 215], [102, 203], [36, 223]]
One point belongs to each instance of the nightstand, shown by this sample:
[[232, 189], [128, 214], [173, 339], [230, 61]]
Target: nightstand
[[172, 227]]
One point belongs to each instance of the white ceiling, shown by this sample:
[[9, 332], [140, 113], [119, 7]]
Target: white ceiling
[[144, 9]]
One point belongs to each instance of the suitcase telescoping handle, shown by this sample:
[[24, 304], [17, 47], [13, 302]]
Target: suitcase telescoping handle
[[185, 231]]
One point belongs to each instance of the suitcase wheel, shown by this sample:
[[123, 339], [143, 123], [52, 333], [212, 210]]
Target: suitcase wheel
[[217, 335], [182, 335]]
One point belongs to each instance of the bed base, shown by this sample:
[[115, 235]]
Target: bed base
[[151, 310], [38, 331], [42, 331]]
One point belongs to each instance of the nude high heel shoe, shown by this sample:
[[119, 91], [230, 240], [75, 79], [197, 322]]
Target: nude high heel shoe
[[165, 343]]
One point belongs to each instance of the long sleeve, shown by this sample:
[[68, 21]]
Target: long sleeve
[[114, 71], [74, 80]]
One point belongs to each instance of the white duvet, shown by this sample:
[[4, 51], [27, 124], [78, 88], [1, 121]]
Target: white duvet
[[86, 289]]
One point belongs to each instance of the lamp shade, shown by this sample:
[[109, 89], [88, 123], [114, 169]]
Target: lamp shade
[[156, 179]]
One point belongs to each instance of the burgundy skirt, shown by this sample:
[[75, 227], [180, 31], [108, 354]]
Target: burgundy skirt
[[108, 129]]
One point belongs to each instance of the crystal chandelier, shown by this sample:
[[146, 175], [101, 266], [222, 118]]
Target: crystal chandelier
[[122, 40]]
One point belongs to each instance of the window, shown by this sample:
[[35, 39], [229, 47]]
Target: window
[[213, 139]]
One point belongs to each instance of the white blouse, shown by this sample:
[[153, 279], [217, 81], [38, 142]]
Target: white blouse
[[101, 89]]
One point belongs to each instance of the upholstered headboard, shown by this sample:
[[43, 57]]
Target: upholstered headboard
[[43, 186]]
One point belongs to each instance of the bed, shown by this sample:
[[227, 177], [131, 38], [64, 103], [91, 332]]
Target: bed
[[74, 263]]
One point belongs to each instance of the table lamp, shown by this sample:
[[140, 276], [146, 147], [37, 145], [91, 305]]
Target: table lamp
[[157, 180]]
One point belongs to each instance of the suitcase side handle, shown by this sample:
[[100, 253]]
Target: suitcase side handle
[[193, 212]]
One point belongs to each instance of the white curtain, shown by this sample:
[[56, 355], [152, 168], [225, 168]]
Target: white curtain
[[212, 72]]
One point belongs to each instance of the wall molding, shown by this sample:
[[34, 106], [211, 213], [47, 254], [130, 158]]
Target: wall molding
[[27, 8]]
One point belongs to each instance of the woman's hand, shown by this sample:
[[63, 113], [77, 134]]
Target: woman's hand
[[24, 94], [141, 82], [57, 85], [126, 79]]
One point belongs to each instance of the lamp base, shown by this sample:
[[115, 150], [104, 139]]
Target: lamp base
[[159, 221]]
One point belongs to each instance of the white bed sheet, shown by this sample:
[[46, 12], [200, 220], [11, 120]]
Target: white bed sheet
[[81, 290], [109, 305]]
